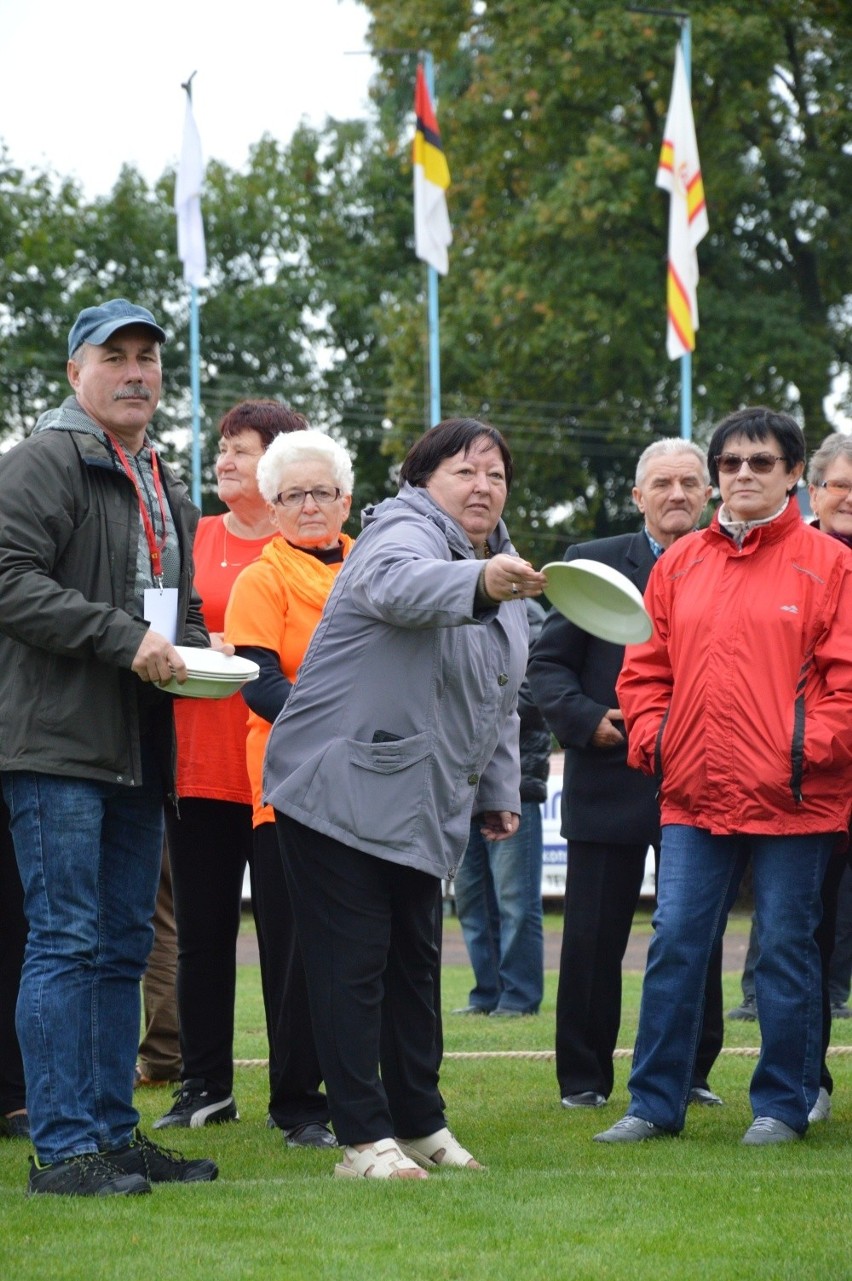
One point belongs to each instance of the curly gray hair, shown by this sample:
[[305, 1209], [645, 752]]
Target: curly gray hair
[[297, 447]]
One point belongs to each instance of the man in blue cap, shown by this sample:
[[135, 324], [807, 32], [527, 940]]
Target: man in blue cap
[[95, 590]]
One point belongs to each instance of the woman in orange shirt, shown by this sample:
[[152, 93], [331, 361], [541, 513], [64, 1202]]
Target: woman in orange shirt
[[306, 479], [210, 835]]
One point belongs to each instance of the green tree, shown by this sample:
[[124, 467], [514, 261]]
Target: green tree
[[552, 314], [300, 266]]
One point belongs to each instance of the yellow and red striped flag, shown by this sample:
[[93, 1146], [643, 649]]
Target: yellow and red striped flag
[[679, 173], [432, 232]]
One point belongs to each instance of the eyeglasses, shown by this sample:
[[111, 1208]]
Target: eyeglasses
[[840, 488], [759, 464], [296, 497]]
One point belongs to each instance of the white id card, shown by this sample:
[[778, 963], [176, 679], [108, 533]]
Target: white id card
[[161, 611]]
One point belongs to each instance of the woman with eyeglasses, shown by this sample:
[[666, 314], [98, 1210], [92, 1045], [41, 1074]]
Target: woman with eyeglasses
[[305, 479], [741, 705]]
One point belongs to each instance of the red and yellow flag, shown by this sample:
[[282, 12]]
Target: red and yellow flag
[[679, 173], [432, 232]]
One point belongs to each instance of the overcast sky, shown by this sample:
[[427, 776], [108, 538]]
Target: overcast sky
[[87, 87]]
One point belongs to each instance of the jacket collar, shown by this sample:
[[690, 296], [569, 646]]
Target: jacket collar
[[770, 533], [411, 498]]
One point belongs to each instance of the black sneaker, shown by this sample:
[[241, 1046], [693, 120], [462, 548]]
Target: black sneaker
[[195, 1106], [159, 1165], [91, 1174]]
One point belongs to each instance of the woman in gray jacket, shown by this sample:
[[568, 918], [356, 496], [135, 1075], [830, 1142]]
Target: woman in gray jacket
[[402, 724]]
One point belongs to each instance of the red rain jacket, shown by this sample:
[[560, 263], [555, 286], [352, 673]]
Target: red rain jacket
[[741, 701]]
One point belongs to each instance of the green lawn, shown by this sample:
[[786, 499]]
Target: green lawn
[[551, 1204]]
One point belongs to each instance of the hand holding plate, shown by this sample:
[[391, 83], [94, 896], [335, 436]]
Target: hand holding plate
[[510, 578]]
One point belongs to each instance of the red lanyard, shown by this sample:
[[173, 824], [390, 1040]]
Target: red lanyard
[[155, 549]]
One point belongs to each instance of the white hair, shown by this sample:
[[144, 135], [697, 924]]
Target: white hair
[[296, 447], [666, 447]]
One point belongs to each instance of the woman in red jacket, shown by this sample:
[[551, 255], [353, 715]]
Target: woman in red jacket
[[741, 704]]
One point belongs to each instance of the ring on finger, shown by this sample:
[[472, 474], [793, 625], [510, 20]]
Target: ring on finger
[[514, 589]]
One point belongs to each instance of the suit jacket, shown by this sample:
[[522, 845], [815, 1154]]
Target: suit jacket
[[572, 676]]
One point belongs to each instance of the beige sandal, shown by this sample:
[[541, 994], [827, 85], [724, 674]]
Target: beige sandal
[[441, 1149], [381, 1160]]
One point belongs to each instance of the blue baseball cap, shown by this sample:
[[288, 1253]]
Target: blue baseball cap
[[95, 324]]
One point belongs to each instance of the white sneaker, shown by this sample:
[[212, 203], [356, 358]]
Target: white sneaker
[[821, 1110]]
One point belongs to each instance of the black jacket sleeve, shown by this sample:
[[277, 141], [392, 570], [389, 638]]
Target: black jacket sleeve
[[268, 694]]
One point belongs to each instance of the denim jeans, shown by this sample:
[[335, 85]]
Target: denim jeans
[[699, 878], [89, 857], [498, 900]]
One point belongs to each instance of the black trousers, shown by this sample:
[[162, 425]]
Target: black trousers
[[601, 897], [13, 937], [367, 928], [294, 1070], [210, 846]]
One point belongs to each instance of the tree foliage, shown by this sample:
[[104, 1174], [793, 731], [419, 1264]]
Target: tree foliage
[[552, 315]]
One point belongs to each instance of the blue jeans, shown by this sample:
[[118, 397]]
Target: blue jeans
[[89, 856], [699, 878], [498, 900]]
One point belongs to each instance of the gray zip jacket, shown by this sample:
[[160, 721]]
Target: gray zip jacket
[[402, 722]]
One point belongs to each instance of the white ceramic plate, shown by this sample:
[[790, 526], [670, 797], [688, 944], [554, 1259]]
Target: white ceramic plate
[[599, 599], [211, 674]]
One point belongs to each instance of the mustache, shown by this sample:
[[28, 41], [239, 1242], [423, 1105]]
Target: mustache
[[135, 391]]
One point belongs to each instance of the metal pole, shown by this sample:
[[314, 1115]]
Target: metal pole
[[686, 358], [432, 294], [195, 389], [685, 23], [194, 374]]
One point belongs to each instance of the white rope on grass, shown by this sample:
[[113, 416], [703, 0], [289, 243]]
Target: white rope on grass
[[733, 1051]]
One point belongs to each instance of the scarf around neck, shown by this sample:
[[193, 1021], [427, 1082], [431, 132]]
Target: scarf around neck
[[305, 575]]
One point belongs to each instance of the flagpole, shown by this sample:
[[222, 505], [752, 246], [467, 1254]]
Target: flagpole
[[195, 391], [685, 23], [432, 294], [686, 358], [194, 370]]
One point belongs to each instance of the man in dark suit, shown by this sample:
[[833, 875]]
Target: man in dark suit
[[609, 811]]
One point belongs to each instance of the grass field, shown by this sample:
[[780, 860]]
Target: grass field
[[551, 1204]]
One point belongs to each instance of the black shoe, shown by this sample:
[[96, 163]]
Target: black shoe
[[91, 1174], [841, 1012], [15, 1127], [747, 1012], [159, 1165], [705, 1097], [312, 1134], [196, 1106], [585, 1099]]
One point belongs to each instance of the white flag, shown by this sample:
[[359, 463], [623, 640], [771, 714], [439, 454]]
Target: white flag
[[432, 231], [190, 179], [679, 173]]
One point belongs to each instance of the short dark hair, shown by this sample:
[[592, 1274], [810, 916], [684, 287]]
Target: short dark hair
[[452, 436], [269, 418], [757, 423]]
